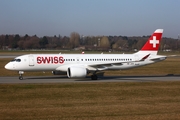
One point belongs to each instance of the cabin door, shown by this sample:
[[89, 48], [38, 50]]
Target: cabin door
[[31, 60]]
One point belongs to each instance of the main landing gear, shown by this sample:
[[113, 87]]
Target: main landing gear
[[21, 75], [96, 74], [94, 77]]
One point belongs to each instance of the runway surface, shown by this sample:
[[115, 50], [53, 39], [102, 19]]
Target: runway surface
[[63, 79]]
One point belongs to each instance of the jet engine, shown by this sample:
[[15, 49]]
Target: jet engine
[[73, 72]]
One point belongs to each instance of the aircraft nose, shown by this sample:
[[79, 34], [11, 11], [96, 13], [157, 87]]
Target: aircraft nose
[[8, 66]]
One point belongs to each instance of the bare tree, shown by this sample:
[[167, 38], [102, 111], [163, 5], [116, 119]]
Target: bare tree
[[74, 39], [32, 43], [104, 42]]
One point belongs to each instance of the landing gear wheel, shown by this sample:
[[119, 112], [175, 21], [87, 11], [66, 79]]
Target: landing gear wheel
[[94, 77], [20, 77]]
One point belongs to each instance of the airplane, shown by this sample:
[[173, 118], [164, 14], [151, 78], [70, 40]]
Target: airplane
[[80, 65]]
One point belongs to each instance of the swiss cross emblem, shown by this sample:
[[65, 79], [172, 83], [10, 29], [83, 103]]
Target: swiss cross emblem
[[154, 41]]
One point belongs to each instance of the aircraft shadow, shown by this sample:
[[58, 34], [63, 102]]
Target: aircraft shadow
[[131, 78], [45, 77]]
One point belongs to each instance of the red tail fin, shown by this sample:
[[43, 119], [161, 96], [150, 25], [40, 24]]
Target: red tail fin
[[154, 41]]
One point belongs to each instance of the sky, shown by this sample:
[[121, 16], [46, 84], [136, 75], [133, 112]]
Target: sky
[[89, 17]]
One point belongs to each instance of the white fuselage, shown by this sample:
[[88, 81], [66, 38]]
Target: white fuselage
[[93, 62]]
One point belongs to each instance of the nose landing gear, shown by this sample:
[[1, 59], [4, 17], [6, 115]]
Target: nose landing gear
[[21, 75]]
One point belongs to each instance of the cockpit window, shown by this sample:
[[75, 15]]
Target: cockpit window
[[13, 60], [16, 60]]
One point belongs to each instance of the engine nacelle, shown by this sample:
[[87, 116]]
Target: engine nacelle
[[58, 73], [73, 72]]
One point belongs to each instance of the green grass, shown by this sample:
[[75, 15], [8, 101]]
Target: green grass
[[76, 101]]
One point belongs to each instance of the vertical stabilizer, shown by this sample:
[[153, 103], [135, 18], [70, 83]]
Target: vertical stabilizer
[[153, 43]]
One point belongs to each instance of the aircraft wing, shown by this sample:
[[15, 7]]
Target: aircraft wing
[[101, 66]]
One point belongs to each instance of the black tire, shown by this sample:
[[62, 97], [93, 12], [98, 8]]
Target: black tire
[[20, 78], [94, 77]]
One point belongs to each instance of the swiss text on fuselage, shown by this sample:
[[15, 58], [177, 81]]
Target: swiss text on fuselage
[[54, 59]]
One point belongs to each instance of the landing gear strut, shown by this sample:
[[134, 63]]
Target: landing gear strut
[[21, 75]]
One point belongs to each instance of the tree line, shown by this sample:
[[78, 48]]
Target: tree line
[[75, 41]]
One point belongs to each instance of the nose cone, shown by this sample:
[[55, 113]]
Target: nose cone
[[8, 66]]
